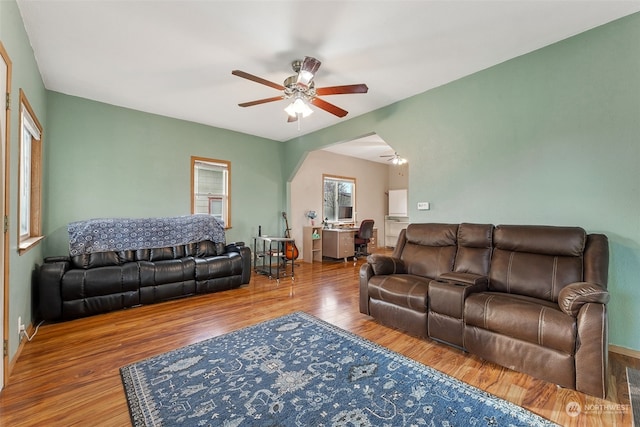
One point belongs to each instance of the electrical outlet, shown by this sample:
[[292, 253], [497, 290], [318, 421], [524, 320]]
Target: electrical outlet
[[21, 327]]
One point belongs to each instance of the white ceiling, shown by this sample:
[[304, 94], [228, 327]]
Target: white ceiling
[[370, 147], [175, 57]]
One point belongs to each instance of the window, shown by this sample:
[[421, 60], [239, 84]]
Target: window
[[210, 184], [339, 198], [30, 177]]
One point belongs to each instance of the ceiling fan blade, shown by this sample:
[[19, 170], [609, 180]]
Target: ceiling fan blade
[[261, 101], [257, 79], [338, 90], [329, 107], [291, 119]]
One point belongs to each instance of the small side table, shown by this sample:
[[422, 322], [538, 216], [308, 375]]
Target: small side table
[[269, 256]]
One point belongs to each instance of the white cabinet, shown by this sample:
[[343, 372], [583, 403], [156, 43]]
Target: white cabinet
[[398, 203]]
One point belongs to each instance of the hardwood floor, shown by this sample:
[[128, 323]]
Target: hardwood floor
[[68, 375]]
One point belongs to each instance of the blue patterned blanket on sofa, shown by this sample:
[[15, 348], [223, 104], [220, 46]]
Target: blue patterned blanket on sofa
[[119, 234]]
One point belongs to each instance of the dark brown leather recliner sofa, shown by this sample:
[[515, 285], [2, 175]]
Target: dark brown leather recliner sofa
[[530, 298]]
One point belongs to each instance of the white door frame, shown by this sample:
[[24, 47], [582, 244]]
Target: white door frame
[[5, 91]]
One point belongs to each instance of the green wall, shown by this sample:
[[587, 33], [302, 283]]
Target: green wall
[[25, 76], [552, 137], [108, 161]]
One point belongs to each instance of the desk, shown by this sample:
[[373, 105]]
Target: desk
[[271, 251], [338, 242]]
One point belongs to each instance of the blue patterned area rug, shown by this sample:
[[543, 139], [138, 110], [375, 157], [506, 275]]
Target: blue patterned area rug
[[297, 370]]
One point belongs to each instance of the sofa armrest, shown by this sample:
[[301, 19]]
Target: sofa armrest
[[366, 273], [245, 253], [592, 353], [572, 297], [50, 287], [383, 265], [60, 258], [234, 246], [465, 278]]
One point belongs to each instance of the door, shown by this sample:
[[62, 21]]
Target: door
[[5, 88]]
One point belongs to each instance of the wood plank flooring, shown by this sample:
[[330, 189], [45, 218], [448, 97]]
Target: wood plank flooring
[[68, 375]]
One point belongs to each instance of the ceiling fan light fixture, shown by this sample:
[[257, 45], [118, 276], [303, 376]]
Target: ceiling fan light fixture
[[395, 159], [298, 106]]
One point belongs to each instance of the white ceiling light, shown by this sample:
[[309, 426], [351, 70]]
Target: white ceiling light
[[298, 107], [397, 160]]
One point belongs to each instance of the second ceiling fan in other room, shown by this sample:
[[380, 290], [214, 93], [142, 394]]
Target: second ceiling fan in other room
[[301, 89], [395, 159]]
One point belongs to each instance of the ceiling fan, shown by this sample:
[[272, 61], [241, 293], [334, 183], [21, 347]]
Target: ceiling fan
[[395, 158], [301, 88]]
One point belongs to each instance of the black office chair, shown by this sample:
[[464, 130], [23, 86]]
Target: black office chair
[[362, 238]]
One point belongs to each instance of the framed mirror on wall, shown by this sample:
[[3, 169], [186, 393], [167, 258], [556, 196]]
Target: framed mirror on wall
[[339, 202]]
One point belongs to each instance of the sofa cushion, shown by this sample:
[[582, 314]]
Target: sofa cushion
[[432, 234], [541, 239], [101, 259], [524, 318], [79, 284], [534, 275], [430, 249], [161, 254], [428, 261], [218, 266], [474, 248], [168, 271], [404, 290], [207, 248], [536, 261], [98, 290]]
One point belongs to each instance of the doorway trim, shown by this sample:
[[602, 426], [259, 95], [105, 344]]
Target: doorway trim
[[4, 241]]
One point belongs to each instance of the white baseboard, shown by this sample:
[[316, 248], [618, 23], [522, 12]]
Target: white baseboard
[[624, 351]]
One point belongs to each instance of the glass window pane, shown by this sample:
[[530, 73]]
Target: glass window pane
[[211, 188], [339, 199], [25, 182]]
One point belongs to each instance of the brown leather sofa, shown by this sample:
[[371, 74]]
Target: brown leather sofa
[[530, 298]]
